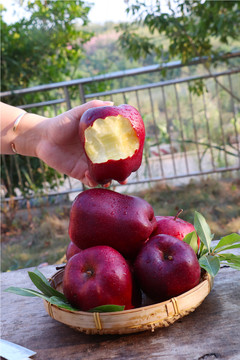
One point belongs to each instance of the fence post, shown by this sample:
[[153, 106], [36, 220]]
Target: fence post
[[67, 97], [82, 93]]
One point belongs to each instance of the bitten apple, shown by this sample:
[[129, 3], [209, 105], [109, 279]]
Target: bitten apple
[[105, 217], [166, 267], [98, 276], [174, 226], [113, 139], [72, 249]]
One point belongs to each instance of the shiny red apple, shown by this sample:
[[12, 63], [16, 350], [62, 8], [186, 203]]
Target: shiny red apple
[[174, 226], [98, 276], [113, 139], [72, 249], [166, 267], [106, 217]]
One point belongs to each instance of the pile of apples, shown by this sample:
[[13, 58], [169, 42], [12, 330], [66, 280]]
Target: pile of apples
[[119, 250]]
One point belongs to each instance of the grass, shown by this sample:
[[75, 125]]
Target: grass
[[217, 201], [42, 240], [40, 236]]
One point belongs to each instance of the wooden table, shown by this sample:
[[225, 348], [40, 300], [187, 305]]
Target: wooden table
[[210, 332]]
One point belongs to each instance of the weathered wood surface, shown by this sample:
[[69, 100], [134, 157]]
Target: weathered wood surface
[[210, 332]]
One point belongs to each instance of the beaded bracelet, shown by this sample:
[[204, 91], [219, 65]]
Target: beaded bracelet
[[15, 125]]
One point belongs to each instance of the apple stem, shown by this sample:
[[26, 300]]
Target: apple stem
[[89, 273], [178, 213]]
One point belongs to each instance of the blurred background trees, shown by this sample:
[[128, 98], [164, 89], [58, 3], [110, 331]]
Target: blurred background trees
[[46, 45], [51, 42], [191, 28], [55, 42]]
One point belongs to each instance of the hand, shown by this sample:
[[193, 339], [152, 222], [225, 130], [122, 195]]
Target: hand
[[61, 148]]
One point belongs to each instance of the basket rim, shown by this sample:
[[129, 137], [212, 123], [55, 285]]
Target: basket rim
[[206, 277]]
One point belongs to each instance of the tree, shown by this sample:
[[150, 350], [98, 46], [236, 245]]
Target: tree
[[189, 25], [45, 46]]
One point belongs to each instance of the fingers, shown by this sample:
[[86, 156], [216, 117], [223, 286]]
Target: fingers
[[90, 182], [87, 180], [95, 103], [107, 185], [123, 182], [79, 110]]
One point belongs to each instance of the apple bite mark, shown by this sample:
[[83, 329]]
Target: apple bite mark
[[112, 138]]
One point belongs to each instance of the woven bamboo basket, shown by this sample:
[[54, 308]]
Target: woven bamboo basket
[[130, 321]]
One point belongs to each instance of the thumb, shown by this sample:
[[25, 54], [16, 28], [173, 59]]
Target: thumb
[[78, 111]]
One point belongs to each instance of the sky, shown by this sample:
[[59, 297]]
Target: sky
[[108, 10], [102, 11]]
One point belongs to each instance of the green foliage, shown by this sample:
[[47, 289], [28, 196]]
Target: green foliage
[[210, 258], [53, 296], [203, 230], [47, 293], [28, 175], [191, 239], [210, 263], [44, 47], [189, 27]]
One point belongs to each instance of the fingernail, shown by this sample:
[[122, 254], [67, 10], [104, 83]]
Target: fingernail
[[109, 102], [107, 185]]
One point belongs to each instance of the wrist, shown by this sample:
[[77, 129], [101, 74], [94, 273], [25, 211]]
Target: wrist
[[28, 134]]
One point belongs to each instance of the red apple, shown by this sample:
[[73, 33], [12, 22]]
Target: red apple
[[174, 226], [113, 139], [98, 276], [72, 249], [105, 217], [166, 267], [137, 295]]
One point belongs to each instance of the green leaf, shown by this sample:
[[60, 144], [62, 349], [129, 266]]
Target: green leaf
[[107, 308], [231, 260], [234, 266], [25, 292], [203, 230], [32, 293], [43, 285], [228, 247], [191, 239], [228, 242], [61, 303], [44, 279], [210, 263], [203, 250]]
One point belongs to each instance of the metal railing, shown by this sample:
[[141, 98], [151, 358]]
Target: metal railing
[[187, 135]]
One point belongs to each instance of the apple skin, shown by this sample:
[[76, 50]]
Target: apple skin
[[105, 217], [98, 276], [174, 226], [118, 170], [72, 249], [166, 267]]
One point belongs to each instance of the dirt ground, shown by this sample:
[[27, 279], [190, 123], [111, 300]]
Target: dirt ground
[[35, 236]]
